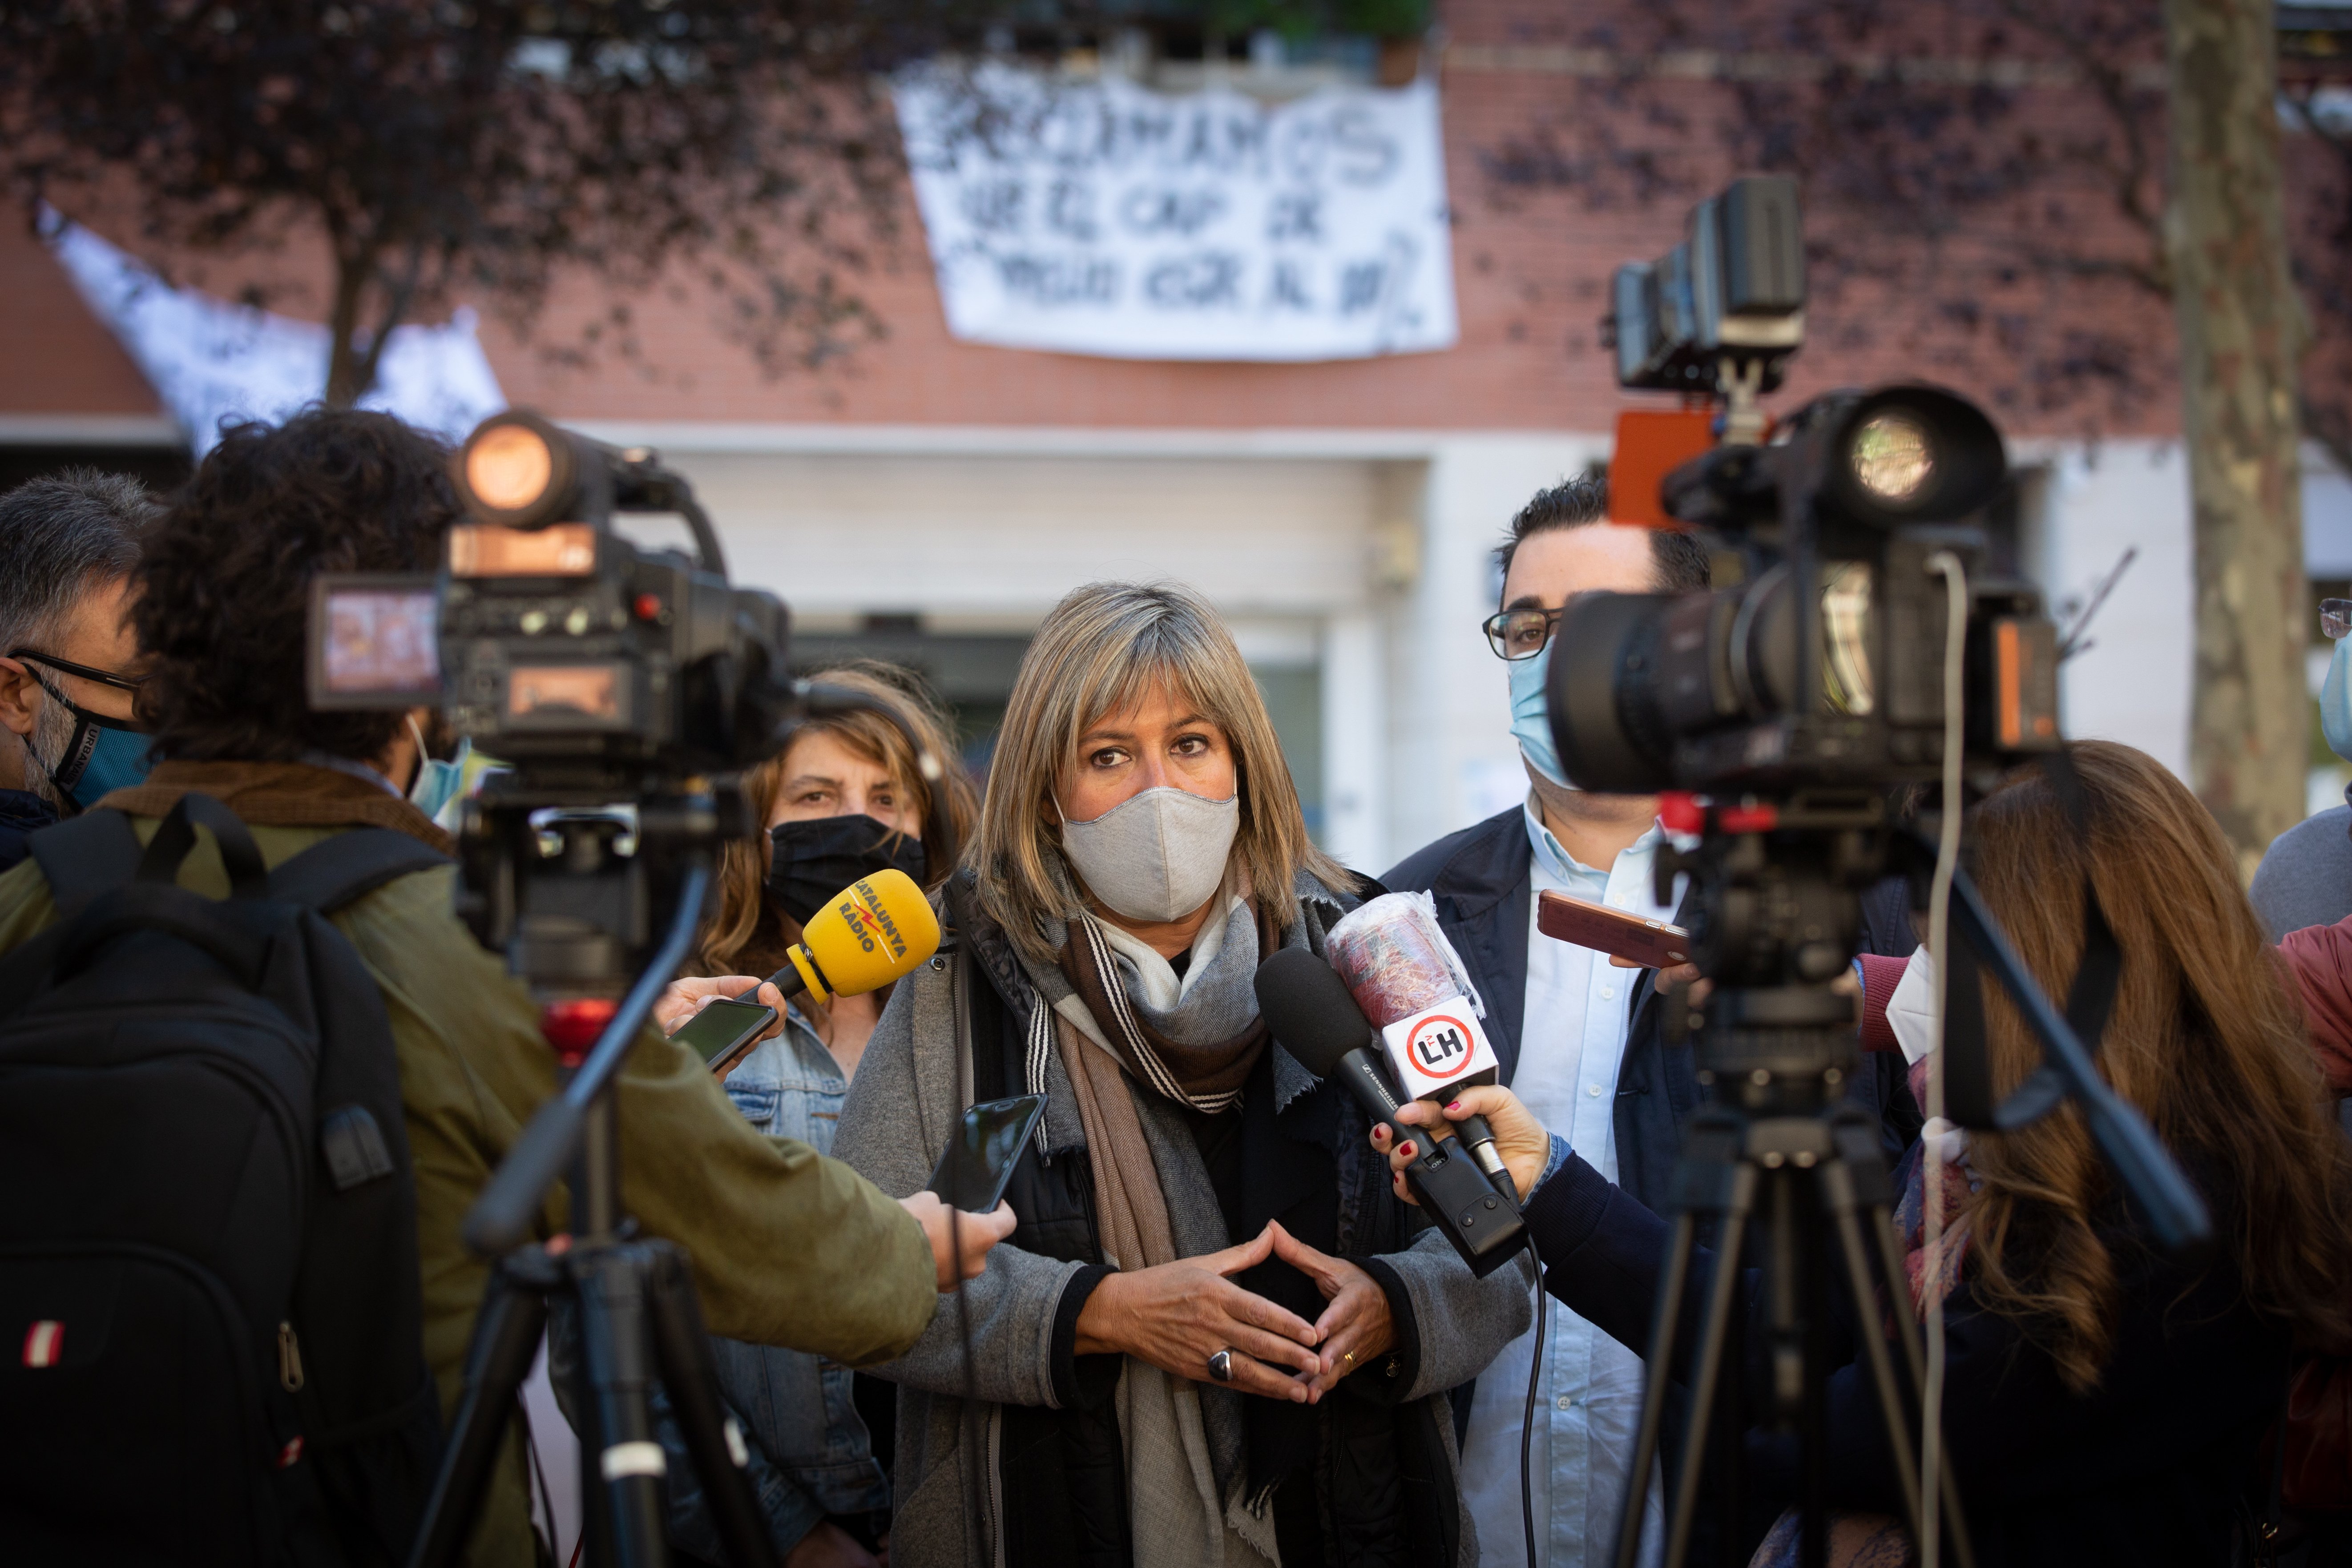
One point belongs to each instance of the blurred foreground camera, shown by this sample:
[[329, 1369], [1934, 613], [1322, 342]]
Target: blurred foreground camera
[[1825, 663], [552, 641], [622, 686]]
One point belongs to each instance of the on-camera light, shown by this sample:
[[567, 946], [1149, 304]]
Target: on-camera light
[[517, 470]]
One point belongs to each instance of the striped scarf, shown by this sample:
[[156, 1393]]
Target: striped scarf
[[1207, 1076]]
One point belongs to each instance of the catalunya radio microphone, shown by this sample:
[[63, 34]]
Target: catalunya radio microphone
[[1307, 1007], [872, 931]]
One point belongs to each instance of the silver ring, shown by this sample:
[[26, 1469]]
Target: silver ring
[[1221, 1366]]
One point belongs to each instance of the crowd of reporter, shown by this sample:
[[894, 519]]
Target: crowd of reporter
[[1209, 1326]]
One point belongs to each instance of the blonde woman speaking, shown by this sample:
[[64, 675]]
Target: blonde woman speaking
[[1215, 1337]]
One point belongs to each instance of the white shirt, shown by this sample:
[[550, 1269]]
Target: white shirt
[[1589, 1403]]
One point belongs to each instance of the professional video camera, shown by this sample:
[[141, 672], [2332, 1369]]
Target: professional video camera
[[621, 684], [1823, 666], [1854, 649], [622, 687]]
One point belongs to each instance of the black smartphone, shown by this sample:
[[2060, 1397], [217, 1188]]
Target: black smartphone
[[973, 1173], [724, 1032]]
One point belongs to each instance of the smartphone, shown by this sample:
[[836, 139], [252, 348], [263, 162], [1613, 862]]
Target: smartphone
[[724, 1032], [973, 1173], [1655, 944]]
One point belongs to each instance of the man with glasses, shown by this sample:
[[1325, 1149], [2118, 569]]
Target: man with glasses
[[1561, 1018], [68, 657]]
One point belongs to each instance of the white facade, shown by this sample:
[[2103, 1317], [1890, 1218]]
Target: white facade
[[1366, 556]]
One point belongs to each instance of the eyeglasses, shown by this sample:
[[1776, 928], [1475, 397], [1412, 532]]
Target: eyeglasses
[[2335, 617], [104, 678], [1520, 634]]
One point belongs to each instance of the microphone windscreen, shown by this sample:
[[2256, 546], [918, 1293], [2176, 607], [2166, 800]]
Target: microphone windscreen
[[1307, 1005], [872, 931]]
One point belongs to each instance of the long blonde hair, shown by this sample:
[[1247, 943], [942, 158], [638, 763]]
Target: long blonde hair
[[2204, 1038], [749, 933], [1102, 649]]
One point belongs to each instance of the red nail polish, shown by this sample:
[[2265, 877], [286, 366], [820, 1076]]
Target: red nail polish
[[1406, 1150], [1452, 1105]]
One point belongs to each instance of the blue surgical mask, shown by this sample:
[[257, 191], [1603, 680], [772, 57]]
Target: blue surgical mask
[[1530, 724], [2335, 701], [101, 755], [438, 783]]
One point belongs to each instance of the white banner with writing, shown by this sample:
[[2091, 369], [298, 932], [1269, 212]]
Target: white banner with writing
[[1105, 218]]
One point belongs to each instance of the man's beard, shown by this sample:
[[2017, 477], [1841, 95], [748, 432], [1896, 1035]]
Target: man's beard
[[53, 729]]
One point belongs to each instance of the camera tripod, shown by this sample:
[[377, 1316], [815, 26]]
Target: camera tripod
[[1776, 1149], [546, 877], [1780, 920]]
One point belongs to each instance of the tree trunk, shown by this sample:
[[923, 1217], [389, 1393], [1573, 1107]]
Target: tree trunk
[[2240, 338], [350, 369]]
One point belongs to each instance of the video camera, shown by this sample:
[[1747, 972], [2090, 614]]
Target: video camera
[[1822, 665], [1811, 682], [622, 685], [1780, 716], [552, 641]]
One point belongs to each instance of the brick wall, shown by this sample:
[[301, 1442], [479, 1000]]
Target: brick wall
[[1532, 260]]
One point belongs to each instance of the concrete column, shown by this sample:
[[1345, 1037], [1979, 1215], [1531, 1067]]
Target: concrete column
[[1355, 782], [1451, 756]]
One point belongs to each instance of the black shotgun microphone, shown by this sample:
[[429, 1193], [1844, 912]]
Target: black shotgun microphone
[[1307, 1005]]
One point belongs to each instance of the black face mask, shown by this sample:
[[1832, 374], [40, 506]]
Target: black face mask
[[816, 860]]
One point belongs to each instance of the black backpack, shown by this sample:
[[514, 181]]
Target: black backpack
[[210, 1324]]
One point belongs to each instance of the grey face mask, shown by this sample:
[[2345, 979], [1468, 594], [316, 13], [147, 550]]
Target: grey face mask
[[1157, 856]]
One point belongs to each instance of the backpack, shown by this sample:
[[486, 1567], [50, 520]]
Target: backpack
[[210, 1322]]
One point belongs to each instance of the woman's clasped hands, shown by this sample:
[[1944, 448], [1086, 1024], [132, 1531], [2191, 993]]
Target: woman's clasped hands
[[1189, 1319]]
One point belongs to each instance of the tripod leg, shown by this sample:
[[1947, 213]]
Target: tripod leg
[[1723, 1289], [1874, 1198], [1837, 1190], [505, 1338], [682, 1353], [1656, 1378], [629, 1464], [1955, 1523]]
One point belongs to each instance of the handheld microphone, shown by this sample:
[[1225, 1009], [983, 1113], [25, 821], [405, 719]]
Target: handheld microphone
[[874, 931], [1413, 989], [1307, 1005]]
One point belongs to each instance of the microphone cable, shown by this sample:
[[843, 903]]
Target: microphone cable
[[1939, 900], [1528, 1420]]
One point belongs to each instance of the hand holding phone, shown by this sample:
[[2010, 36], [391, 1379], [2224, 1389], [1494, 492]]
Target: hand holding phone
[[976, 1165], [1646, 943]]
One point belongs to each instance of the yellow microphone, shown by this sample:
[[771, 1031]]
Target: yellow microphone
[[872, 931]]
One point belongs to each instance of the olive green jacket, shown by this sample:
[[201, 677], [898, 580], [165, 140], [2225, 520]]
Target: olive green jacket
[[789, 1248]]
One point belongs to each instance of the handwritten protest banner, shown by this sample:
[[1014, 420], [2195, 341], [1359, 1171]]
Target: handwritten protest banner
[[1105, 218]]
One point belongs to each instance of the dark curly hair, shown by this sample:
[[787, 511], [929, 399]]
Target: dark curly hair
[[226, 576]]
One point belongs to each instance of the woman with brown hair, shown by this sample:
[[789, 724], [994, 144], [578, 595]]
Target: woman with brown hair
[[845, 798], [2103, 1403]]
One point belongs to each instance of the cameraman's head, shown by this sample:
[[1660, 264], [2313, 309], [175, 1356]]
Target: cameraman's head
[[68, 657], [225, 582], [1562, 543]]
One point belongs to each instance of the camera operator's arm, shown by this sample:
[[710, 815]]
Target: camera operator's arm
[[1022, 1309], [787, 1247]]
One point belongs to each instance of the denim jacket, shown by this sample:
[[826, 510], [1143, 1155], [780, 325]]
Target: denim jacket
[[810, 1452]]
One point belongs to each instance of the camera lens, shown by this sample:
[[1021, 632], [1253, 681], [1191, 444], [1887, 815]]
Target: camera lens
[[1892, 457]]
